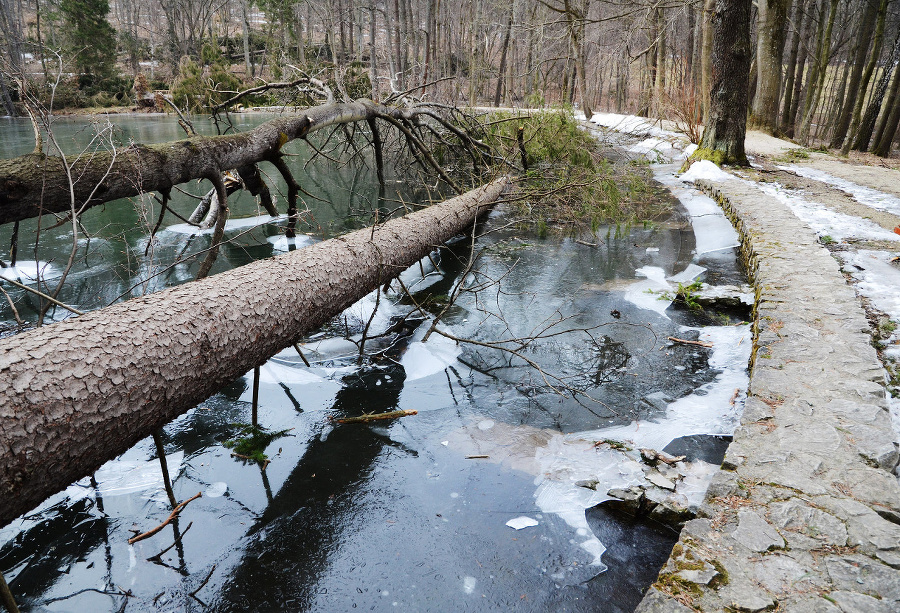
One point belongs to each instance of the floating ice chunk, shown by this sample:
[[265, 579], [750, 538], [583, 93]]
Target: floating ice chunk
[[688, 275], [28, 271], [704, 169], [424, 359], [215, 490], [486, 424], [274, 373], [646, 293], [231, 224], [522, 522], [283, 243], [469, 584], [121, 477], [712, 230]]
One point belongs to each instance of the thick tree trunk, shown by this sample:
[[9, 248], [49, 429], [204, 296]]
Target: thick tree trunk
[[706, 50], [80, 392], [35, 184], [769, 49], [723, 138]]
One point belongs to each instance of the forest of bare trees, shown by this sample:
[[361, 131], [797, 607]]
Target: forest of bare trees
[[823, 72]]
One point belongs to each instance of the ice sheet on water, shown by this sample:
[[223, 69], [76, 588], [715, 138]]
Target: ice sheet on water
[[424, 359], [712, 230], [706, 411], [704, 169], [876, 279], [863, 195], [120, 477], [27, 272], [283, 243], [688, 275], [823, 220], [518, 523], [273, 372], [230, 225], [648, 293]]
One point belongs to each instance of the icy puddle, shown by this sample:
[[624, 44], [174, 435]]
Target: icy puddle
[[493, 495]]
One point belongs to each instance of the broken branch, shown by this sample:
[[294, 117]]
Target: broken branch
[[362, 419], [687, 342], [172, 515]]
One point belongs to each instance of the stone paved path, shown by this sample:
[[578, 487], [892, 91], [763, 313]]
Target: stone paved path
[[805, 515]]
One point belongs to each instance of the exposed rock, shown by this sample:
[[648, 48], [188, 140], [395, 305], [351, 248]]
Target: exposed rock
[[755, 533], [659, 481]]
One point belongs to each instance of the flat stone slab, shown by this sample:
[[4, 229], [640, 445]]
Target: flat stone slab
[[805, 513]]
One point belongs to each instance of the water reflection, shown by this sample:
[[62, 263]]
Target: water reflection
[[292, 541]]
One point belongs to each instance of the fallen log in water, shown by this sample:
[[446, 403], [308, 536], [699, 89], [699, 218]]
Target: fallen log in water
[[82, 391]]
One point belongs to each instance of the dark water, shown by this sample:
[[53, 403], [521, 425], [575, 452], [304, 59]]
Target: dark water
[[389, 515]]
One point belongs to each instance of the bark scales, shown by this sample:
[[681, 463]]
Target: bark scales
[[80, 392]]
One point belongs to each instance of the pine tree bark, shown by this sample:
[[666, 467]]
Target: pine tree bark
[[723, 138], [80, 392]]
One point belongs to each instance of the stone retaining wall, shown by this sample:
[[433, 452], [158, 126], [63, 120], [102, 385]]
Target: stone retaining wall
[[805, 513]]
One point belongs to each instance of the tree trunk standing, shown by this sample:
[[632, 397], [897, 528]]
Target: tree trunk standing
[[770, 34], [691, 50], [887, 127], [823, 53], [792, 66], [858, 55], [373, 60], [245, 31], [706, 50], [503, 51], [82, 391], [877, 43], [867, 123], [723, 137], [577, 17], [659, 83], [887, 110]]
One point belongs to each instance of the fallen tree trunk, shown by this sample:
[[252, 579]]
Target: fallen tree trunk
[[82, 391], [36, 184]]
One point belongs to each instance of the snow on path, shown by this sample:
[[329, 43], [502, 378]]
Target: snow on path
[[862, 194]]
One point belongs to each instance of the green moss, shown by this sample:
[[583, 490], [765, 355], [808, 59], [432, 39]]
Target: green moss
[[722, 579], [251, 441]]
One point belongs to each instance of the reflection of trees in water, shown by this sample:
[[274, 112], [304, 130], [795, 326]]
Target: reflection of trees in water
[[289, 545]]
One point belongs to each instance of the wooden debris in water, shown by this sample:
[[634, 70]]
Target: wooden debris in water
[[363, 419], [172, 515], [687, 342]]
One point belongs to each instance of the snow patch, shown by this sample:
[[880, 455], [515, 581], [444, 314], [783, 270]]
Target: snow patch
[[704, 169], [864, 195]]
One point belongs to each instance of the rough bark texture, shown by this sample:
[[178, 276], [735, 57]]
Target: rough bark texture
[[80, 392], [34, 184], [723, 138]]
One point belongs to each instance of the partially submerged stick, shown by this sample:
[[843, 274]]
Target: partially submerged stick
[[687, 342], [172, 515], [362, 419]]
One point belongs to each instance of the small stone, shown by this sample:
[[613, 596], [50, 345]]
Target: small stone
[[700, 576], [754, 533], [590, 484], [659, 481], [750, 600]]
